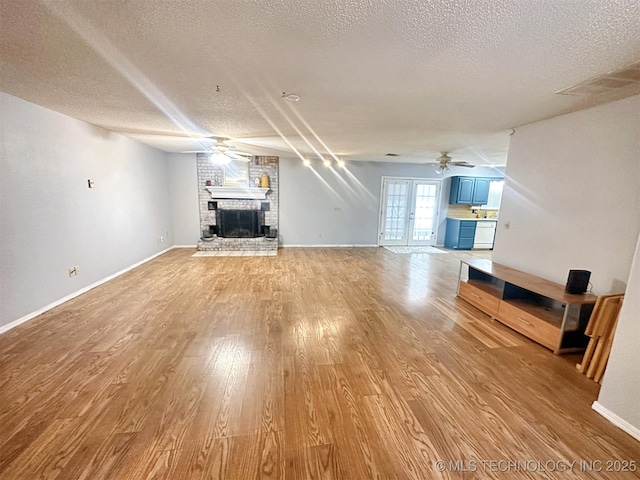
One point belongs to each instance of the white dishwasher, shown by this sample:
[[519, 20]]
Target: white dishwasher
[[485, 233]]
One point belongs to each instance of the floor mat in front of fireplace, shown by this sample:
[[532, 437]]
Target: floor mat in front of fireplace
[[236, 253]]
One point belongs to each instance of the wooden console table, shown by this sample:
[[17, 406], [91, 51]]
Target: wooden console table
[[537, 308]]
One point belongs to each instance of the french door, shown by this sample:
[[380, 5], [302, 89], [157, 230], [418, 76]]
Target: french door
[[409, 211]]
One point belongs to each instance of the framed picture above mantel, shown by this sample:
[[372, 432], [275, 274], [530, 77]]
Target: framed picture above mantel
[[236, 173]]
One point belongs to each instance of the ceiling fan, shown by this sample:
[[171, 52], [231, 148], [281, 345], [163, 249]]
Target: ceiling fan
[[444, 161], [221, 152], [222, 149]]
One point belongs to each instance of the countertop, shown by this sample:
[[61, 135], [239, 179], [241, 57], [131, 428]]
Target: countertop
[[475, 219]]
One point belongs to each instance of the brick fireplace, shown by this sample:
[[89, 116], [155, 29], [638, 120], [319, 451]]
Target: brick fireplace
[[236, 212]]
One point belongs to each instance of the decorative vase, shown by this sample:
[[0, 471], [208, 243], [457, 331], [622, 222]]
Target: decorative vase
[[264, 181]]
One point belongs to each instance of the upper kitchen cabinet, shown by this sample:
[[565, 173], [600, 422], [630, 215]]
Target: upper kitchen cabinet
[[469, 190], [462, 190], [481, 191]]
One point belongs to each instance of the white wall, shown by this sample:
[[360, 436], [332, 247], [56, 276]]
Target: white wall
[[183, 188], [333, 207], [50, 220], [572, 196], [620, 392]]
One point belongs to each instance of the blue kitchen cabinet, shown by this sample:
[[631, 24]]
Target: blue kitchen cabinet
[[460, 234], [462, 190], [469, 190], [480, 191]]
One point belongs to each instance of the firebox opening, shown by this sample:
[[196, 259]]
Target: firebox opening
[[240, 223]]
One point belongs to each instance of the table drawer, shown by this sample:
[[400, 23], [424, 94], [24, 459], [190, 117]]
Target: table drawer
[[528, 325], [479, 298]]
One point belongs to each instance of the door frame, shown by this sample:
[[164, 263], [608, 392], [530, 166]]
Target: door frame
[[381, 207]]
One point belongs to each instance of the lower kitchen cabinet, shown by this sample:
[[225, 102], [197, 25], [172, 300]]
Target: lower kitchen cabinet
[[460, 234]]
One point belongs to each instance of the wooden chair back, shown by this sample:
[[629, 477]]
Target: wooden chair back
[[601, 328]]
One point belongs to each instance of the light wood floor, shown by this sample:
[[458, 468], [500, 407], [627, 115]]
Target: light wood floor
[[318, 363]]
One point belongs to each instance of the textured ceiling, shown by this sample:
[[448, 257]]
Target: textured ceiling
[[407, 77]]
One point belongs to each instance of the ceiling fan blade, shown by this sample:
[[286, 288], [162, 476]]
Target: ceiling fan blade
[[252, 146], [241, 155], [461, 164], [236, 156], [233, 155]]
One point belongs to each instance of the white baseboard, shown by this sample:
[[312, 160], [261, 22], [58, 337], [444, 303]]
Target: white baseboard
[[616, 420], [185, 246], [329, 246], [40, 311]]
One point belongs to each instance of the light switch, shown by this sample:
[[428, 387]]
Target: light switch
[[91, 183]]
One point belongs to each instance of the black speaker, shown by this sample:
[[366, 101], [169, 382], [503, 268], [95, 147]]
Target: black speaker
[[578, 281]]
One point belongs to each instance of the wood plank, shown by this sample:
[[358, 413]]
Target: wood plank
[[317, 363]]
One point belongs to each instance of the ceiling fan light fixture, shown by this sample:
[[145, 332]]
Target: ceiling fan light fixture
[[442, 169], [306, 162], [326, 162], [341, 163], [219, 158]]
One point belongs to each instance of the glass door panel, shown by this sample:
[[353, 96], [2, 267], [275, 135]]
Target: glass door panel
[[394, 221], [424, 213]]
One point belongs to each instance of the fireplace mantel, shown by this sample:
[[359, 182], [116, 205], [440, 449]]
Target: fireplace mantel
[[238, 192]]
